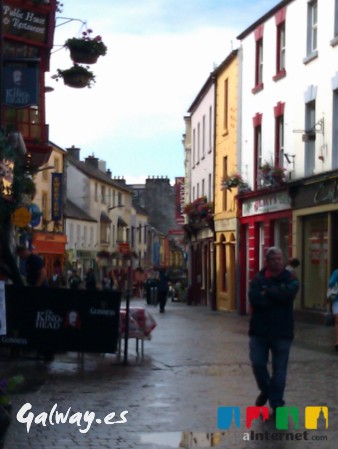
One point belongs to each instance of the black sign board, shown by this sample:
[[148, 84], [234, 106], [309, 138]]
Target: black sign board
[[62, 319]]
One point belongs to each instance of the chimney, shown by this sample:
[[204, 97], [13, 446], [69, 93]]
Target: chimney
[[92, 161], [109, 173], [74, 152]]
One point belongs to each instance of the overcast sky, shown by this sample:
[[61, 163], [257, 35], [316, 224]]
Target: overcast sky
[[160, 53]]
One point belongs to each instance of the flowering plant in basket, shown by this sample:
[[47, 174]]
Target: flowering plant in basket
[[86, 49]]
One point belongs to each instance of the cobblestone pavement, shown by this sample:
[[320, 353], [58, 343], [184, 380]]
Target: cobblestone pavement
[[196, 361]]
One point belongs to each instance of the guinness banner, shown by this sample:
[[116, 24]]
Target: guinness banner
[[62, 320]]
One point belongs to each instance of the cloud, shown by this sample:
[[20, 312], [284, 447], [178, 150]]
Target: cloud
[[160, 53]]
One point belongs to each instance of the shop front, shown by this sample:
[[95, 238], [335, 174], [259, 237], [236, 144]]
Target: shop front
[[51, 247], [315, 228], [225, 230], [265, 220], [202, 270]]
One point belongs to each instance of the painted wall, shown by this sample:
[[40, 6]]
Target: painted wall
[[303, 79]]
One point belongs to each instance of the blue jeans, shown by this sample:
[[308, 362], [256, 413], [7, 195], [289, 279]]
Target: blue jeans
[[273, 385]]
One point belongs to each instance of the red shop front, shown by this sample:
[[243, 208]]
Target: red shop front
[[265, 220]]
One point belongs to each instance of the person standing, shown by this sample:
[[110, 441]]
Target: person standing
[[162, 288], [333, 304], [271, 329], [36, 275], [75, 280], [90, 279]]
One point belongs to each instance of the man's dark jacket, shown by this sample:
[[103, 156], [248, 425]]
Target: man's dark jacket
[[272, 311]]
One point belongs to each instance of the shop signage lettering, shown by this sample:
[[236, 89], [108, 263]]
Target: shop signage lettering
[[20, 85], [56, 196], [28, 25], [269, 203], [102, 312], [327, 192], [48, 320]]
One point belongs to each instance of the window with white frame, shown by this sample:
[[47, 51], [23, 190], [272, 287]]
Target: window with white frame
[[198, 143], [210, 130], [226, 105], [279, 133], [194, 148], [335, 18], [257, 123], [335, 130], [312, 31], [280, 66], [310, 135], [203, 187], [203, 137]]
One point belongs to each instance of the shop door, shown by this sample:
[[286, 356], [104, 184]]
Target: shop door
[[315, 261]]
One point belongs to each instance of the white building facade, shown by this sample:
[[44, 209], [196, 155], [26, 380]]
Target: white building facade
[[289, 142]]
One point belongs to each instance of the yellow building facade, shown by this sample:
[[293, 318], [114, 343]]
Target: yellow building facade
[[226, 164]]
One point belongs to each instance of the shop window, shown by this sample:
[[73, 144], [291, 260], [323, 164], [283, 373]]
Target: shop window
[[282, 236], [315, 260]]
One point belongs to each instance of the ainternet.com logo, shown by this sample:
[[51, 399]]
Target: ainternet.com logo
[[315, 418]]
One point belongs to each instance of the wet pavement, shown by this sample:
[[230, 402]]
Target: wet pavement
[[196, 361]]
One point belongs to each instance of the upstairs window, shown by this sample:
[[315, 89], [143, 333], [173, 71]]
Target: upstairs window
[[259, 60], [257, 123], [280, 44], [279, 133], [312, 31]]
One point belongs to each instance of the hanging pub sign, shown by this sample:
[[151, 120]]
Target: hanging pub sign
[[56, 196], [20, 88], [25, 24]]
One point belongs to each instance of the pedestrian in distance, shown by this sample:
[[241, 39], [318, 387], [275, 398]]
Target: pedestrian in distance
[[162, 288], [332, 300], [90, 279], [35, 271], [271, 330], [75, 280]]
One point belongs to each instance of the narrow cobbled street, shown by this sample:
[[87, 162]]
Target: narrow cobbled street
[[196, 361]]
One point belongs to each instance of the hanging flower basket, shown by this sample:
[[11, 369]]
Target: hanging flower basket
[[81, 57], [77, 77], [86, 50]]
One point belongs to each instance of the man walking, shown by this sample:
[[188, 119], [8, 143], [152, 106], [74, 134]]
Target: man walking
[[271, 295]]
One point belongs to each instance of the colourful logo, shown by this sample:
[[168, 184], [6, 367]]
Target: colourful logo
[[315, 417]]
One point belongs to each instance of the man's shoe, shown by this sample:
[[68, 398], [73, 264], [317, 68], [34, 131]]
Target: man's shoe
[[261, 400]]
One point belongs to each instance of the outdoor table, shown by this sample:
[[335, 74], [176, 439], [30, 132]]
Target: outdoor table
[[141, 324]]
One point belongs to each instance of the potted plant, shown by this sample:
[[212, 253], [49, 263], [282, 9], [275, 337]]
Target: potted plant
[[272, 175], [234, 180], [86, 49], [77, 76]]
